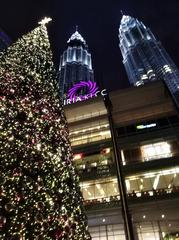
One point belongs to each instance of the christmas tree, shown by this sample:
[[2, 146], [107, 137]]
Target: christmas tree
[[40, 194]]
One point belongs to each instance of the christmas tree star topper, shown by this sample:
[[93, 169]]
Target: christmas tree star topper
[[45, 20]]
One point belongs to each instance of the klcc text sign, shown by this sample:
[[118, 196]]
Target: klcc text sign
[[91, 90]]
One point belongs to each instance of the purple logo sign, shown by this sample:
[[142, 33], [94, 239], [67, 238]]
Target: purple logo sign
[[82, 91], [89, 86]]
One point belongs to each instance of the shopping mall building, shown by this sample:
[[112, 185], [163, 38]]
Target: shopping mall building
[[147, 127]]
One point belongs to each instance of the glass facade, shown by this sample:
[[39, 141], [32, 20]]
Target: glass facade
[[149, 148], [98, 159], [144, 57], [152, 219], [108, 232], [99, 189], [146, 184], [156, 230], [165, 180], [90, 133], [138, 152], [90, 137], [156, 151], [153, 150], [146, 230]]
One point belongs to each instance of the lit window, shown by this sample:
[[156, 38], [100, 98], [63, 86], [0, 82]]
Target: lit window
[[104, 162], [82, 166], [123, 158], [94, 164], [77, 156], [167, 69], [156, 150], [144, 77], [99, 189]]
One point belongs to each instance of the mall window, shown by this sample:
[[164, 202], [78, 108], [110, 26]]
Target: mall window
[[146, 230], [156, 150], [90, 137], [100, 158], [98, 189], [107, 232], [86, 133], [140, 152], [165, 180]]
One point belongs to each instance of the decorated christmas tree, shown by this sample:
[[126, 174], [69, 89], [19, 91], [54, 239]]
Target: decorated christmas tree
[[40, 194]]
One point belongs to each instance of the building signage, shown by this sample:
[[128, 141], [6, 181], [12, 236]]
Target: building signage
[[90, 88], [151, 125]]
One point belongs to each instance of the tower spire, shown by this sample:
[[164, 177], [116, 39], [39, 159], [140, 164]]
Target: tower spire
[[122, 13], [76, 35]]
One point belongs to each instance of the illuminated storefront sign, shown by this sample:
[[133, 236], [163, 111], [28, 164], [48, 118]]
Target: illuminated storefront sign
[[151, 125], [90, 88]]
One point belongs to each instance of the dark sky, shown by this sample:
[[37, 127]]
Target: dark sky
[[98, 23]]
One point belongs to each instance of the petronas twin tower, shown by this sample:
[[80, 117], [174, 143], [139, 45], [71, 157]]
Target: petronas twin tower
[[75, 63], [144, 58]]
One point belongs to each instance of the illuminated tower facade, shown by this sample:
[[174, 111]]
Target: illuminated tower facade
[[75, 63], [144, 57]]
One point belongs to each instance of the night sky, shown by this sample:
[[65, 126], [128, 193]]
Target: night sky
[[98, 23]]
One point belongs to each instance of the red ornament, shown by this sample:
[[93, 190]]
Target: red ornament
[[65, 217], [45, 226], [58, 234], [2, 221], [19, 197], [67, 229], [73, 226], [17, 172], [40, 205]]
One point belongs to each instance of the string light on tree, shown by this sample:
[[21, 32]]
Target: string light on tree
[[40, 195]]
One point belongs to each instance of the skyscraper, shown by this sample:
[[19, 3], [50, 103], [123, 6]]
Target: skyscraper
[[75, 63], [144, 57], [4, 40]]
